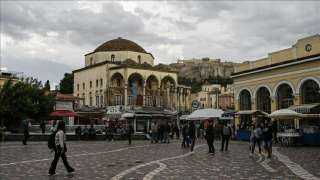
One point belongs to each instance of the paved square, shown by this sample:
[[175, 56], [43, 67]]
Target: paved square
[[142, 160]]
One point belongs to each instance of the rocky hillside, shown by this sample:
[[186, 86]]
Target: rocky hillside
[[196, 72]]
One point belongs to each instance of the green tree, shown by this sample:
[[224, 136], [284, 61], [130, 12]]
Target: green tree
[[66, 84], [24, 99]]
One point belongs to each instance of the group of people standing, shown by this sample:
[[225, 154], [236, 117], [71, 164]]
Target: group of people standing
[[162, 132], [261, 135]]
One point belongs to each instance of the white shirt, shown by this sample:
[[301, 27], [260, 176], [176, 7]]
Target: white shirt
[[60, 139]]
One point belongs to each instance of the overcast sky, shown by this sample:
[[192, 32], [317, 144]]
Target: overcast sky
[[45, 39]]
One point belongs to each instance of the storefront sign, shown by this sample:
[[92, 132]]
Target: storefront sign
[[115, 109], [64, 105]]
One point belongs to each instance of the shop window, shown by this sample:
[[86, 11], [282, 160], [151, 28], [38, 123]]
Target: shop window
[[118, 100]]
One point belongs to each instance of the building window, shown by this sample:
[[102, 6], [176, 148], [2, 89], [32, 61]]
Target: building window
[[97, 101], [91, 61], [78, 87], [90, 99], [84, 99], [101, 100], [83, 86], [97, 83], [112, 57], [130, 100], [139, 59], [101, 82], [90, 84]]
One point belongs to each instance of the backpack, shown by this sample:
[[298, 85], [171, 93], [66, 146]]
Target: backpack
[[226, 131], [52, 140]]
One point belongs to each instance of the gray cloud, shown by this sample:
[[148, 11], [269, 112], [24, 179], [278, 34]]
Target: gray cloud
[[169, 30]]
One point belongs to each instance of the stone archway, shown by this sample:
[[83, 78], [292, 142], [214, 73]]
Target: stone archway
[[263, 99], [116, 91], [135, 89], [245, 104], [310, 92], [284, 96], [168, 92], [152, 91]]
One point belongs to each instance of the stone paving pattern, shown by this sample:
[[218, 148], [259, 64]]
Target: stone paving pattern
[[234, 164]]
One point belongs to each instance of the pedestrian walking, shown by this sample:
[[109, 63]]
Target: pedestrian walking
[[43, 127], [53, 128], [267, 137], [129, 133], [225, 136], [184, 143], [154, 133], [78, 132], [192, 134], [166, 131], [210, 137], [60, 150], [257, 133], [26, 124]]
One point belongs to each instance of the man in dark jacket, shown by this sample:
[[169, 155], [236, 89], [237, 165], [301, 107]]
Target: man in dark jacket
[[210, 137], [129, 133], [192, 134], [25, 126]]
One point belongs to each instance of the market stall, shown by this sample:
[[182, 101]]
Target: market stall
[[288, 126], [247, 119], [309, 124]]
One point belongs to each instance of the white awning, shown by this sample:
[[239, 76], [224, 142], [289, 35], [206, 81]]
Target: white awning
[[183, 117], [127, 115], [203, 114], [285, 114]]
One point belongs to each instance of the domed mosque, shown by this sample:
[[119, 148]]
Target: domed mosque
[[120, 77]]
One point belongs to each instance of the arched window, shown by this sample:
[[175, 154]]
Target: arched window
[[245, 104], [139, 59], [284, 96], [310, 92], [263, 100], [112, 57]]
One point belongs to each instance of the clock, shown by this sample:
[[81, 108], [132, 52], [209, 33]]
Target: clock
[[308, 47]]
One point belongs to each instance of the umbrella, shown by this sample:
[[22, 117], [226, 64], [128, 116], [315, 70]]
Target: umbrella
[[285, 114], [203, 114]]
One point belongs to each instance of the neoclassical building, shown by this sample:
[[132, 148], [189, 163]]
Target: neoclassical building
[[287, 77], [121, 73]]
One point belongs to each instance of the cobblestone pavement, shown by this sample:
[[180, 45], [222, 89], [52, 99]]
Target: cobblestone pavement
[[142, 160]]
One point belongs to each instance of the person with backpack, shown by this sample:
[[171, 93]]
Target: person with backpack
[[60, 149], [225, 136]]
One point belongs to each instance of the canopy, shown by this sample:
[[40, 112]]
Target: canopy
[[285, 114], [63, 113], [252, 112], [203, 114], [183, 117]]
